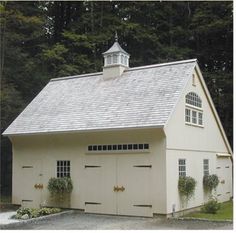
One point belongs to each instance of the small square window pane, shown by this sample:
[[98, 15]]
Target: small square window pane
[[140, 146], [109, 147], [146, 146], [119, 147], [90, 148], [194, 117], [94, 148], [125, 147], [130, 146], [104, 147], [114, 147], [135, 146]]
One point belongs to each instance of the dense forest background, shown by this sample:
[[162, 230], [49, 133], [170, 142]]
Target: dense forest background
[[43, 40]]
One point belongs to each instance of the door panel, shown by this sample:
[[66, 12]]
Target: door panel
[[224, 170], [100, 176], [133, 173], [31, 175], [104, 172]]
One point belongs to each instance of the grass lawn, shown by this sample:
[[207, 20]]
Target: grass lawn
[[225, 212]]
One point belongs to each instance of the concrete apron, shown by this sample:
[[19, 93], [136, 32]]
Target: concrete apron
[[32, 220]]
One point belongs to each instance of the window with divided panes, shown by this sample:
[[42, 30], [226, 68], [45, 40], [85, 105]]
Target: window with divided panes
[[63, 168], [206, 167], [182, 167], [193, 109], [119, 147]]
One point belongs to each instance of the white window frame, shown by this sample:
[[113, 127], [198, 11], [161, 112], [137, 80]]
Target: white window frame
[[193, 103], [115, 58], [122, 59], [63, 168], [109, 59], [182, 167], [187, 115], [206, 167], [118, 148]]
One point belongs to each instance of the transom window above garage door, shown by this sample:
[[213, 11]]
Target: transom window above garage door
[[119, 147]]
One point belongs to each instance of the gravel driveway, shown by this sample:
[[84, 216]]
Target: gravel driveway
[[81, 221]]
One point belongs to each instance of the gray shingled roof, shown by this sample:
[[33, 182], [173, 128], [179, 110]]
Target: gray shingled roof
[[141, 97]]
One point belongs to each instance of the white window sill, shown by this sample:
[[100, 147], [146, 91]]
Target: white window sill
[[193, 107], [118, 152], [196, 125]]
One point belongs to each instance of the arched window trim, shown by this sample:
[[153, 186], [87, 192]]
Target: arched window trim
[[193, 99]]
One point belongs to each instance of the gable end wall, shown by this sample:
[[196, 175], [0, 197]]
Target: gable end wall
[[194, 144]]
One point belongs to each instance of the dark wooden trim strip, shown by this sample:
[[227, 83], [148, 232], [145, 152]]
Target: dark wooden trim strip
[[91, 166], [227, 167], [150, 166], [150, 206], [218, 168], [27, 166], [92, 203], [26, 200]]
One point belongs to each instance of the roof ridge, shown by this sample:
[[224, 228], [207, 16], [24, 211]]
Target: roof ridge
[[162, 64], [75, 76], [130, 69]]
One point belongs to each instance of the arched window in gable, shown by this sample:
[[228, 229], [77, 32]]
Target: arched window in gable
[[193, 109], [193, 99]]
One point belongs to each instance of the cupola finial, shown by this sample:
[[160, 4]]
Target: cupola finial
[[116, 37]]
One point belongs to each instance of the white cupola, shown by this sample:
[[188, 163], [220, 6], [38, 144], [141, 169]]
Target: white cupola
[[116, 60]]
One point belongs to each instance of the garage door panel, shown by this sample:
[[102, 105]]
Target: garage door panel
[[130, 171], [134, 175], [100, 178]]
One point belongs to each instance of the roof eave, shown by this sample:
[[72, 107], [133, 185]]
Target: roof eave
[[84, 131]]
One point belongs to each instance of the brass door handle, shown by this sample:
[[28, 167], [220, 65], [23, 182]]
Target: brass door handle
[[117, 189], [38, 186], [122, 189]]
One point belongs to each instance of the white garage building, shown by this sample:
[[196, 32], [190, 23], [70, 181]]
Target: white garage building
[[124, 136]]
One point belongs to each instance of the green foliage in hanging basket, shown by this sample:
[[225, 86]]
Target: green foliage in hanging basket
[[186, 186], [210, 182], [60, 185]]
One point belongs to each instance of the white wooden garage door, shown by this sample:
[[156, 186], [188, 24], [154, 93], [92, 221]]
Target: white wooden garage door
[[118, 184]]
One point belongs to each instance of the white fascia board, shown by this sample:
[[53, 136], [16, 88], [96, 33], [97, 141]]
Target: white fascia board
[[212, 106], [86, 131]]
